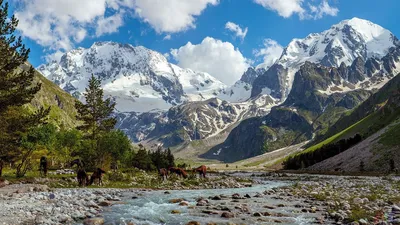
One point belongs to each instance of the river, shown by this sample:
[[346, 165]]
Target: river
[[153, 207]]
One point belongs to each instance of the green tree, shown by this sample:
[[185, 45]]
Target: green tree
[[114, 144], [96, 115], [17, 88], [68, 145], [142, 160]]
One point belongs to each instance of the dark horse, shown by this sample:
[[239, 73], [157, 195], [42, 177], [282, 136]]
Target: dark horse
[[163, 173], [97, 175], [81, 175], [202, 170], [43, 166], [178, 171]]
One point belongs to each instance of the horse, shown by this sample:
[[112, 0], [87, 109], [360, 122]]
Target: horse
[[43, 166], [97, 175], [163, 173], [202, 170], [81, 175], [178, 171]]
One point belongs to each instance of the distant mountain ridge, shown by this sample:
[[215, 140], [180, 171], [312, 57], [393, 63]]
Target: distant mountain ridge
[[315, 81]]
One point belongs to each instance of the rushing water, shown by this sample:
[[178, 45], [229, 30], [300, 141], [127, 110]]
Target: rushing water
[[154, 207]]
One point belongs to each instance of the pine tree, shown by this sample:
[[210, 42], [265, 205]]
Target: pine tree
[[17, 88], [170, 159], [96, 115]]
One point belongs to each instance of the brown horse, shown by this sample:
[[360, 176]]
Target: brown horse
[[163, 173], [97, 175], [202, 170], [81, 176], [43, 166], [178, 171]]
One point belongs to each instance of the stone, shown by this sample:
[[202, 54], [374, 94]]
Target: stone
[[247, 196], [358, 201], [202, 203], [175, 211], [362, 222], [167, 192], [227, 215], [257, 214], [94, 221], [184, 203], [216, 198], [269, 207], [210, 212], [105, 203], [193, 223], [236, 196], [176, 200]]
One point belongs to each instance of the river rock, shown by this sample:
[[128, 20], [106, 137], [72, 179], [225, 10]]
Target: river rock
[[176, 200], [175, 211], [202, 202], [216, 198], [228, 215], [184, 203], [257, 214], [210, 212], [105, 203], [193, 223], [94, 221]]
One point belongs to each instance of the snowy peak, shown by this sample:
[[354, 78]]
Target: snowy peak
[[139, 79], [343, 43]]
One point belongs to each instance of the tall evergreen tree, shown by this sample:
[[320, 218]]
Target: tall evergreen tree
[[96, 114], [17, 88]]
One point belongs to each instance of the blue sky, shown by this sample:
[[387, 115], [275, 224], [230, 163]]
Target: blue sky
[[56, 26]]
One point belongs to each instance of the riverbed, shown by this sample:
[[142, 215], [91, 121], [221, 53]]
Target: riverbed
[[248, 206]]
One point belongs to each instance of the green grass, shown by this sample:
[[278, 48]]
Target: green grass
[[392, 136], [332, 139]]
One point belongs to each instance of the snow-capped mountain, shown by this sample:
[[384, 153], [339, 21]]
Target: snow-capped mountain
[[140, 80], [342, 43]]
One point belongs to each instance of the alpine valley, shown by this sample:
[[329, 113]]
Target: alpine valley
[[315, 83]]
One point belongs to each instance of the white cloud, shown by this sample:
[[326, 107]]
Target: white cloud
[[167, 37], [271, 52], [220, 59], [239, 32], [109, 25], [286, 8], [323, 9], [171, 16], [56, 56]]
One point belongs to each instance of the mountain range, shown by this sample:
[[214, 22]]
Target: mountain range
[[314, 83]]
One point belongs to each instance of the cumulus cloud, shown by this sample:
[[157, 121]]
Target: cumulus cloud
[[323, 9], [239, 32], [220, 59], [167, 37], [287, 8], [58, 25], [109, 25], [171, 16], [270, 52]]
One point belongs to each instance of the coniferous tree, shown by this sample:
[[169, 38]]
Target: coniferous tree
[[17, 88], [96, 115]]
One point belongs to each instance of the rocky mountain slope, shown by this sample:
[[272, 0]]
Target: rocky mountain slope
[[377, 120], [318, 87], [62, 104]]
